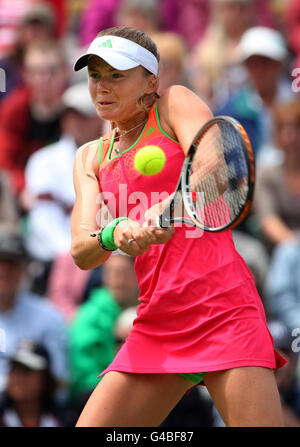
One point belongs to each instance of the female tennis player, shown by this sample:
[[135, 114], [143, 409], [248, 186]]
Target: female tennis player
[[200, 319]]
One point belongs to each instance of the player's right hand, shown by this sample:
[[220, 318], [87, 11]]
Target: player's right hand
[[134, 239]]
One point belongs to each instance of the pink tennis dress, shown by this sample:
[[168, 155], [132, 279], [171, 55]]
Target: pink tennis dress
[[199, 309]]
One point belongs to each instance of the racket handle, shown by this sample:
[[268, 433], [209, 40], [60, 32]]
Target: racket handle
[[162, 222]]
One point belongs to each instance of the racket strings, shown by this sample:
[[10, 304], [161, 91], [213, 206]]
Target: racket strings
[[218, 176], [237, 167]]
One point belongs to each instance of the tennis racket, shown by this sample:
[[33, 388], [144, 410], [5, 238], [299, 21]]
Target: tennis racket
[[216, 184]]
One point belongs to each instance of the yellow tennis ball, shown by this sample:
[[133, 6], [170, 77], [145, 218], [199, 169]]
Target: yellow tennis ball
[[149, 160]]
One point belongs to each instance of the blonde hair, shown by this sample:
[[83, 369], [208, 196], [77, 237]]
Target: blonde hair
[[171, 46]]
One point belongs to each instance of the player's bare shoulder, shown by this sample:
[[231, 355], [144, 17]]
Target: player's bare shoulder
[[167, 106], [179, 102], [182, 113], [86, 159]]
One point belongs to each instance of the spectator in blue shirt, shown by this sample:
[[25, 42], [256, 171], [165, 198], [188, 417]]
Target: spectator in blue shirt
[[24, 315], [283, 283], [263, 53], [287, 378]]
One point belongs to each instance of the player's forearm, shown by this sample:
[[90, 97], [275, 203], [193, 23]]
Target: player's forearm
[[87, 253]]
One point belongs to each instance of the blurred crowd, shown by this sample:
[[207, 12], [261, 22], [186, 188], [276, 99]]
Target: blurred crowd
[[61, 326]]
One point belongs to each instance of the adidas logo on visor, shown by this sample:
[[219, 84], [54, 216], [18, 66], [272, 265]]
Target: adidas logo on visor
[[106, 44]]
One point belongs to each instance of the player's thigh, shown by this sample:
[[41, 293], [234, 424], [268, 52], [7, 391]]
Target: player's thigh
[[246, 396], [122, 399]]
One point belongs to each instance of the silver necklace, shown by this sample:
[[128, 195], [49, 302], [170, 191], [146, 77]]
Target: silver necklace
[[130, 130], [124, 133]]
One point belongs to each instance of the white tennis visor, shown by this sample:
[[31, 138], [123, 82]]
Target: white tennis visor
[[120, 53]]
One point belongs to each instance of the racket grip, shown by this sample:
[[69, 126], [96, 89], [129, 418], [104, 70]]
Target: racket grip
[[162, 222], [158, 222]]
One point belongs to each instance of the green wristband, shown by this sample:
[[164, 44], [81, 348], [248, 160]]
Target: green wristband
[[107, 234]]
